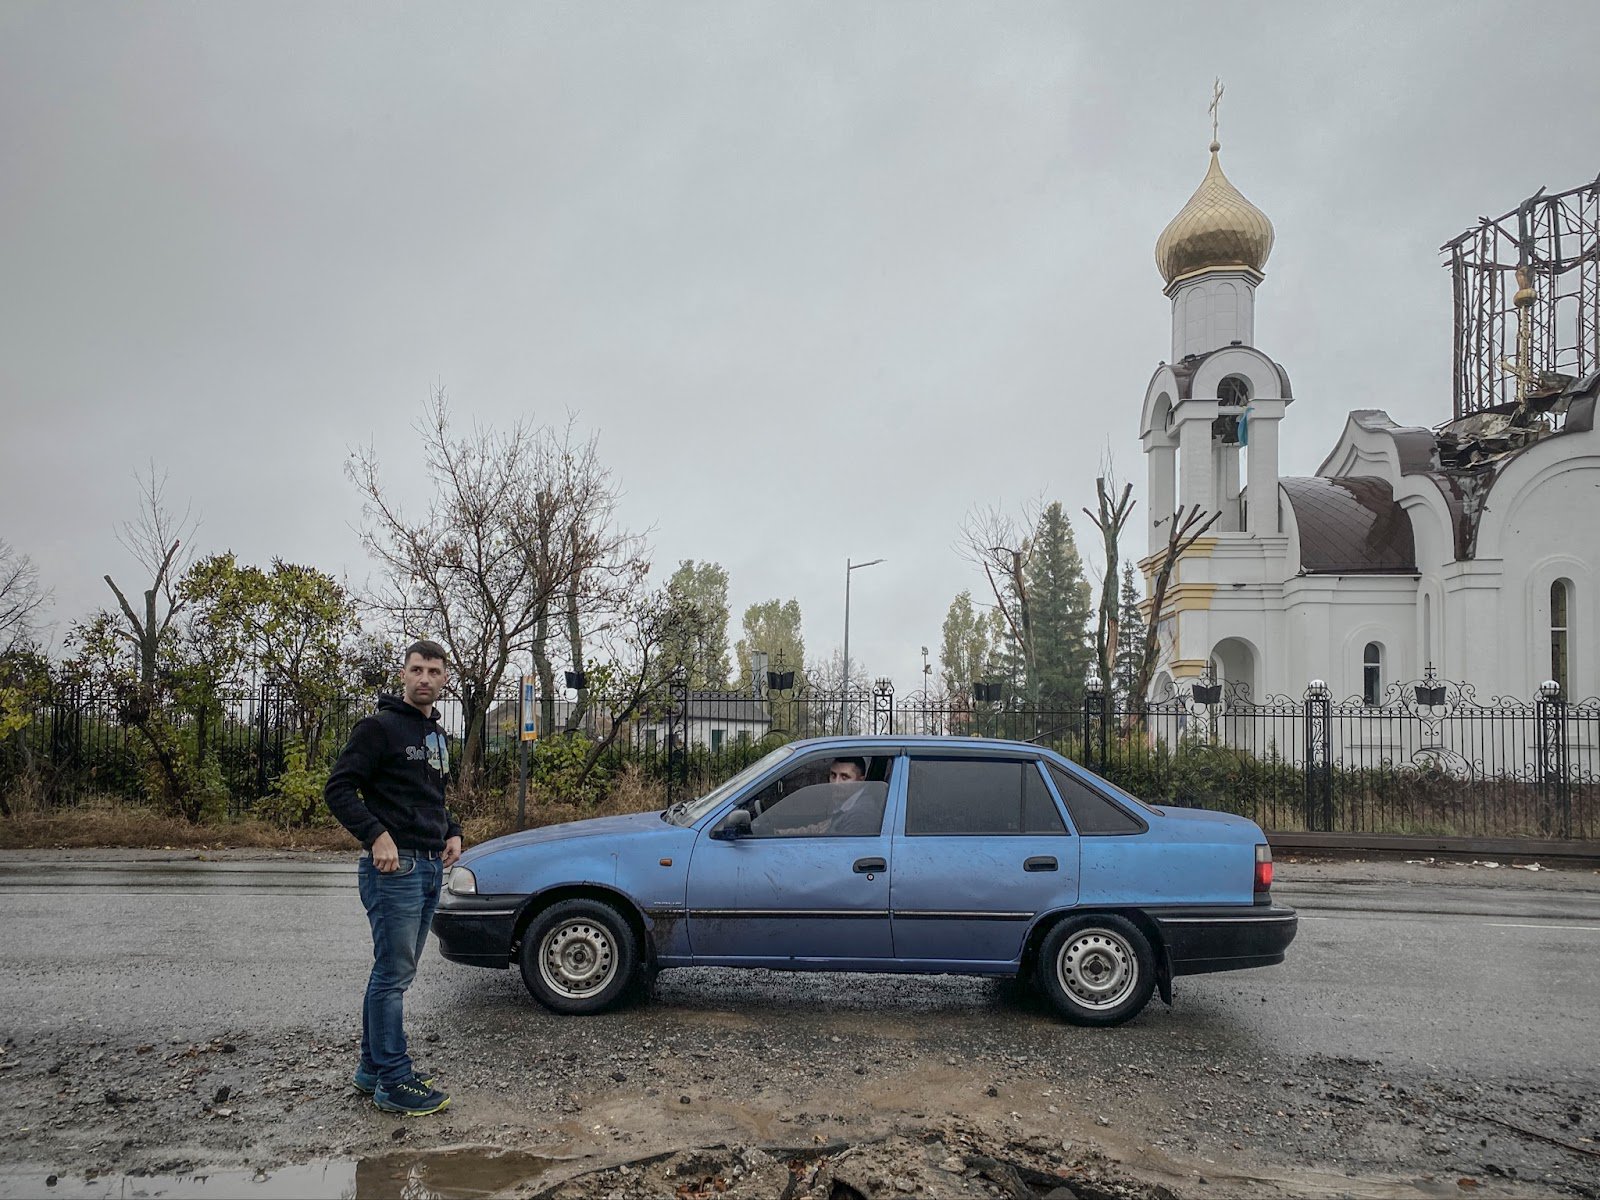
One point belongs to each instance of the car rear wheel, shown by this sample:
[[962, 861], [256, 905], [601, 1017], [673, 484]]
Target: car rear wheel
[[579, 956], [1097, 970]]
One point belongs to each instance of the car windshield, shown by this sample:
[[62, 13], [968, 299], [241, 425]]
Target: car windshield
[[687, 812]]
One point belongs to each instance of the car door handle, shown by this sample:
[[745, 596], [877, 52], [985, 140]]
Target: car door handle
[[863, 865], [1042, 862]]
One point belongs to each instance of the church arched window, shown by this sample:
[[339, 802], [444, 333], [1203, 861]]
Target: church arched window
[[1233, 392], [1560, 606], [1372, 674]]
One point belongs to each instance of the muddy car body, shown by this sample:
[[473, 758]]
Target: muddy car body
[[951, 855]]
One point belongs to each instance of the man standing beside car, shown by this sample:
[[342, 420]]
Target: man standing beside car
[[387, 789]]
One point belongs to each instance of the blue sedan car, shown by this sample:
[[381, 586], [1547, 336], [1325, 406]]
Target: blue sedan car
[[927, 855]]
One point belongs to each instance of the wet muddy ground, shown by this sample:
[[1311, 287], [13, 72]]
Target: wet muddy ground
[[757, 1084], [746, 1109]]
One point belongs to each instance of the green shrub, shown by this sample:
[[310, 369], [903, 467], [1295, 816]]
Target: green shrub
[[295, 799], [555, 765]]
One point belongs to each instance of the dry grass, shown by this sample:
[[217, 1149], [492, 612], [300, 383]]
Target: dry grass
[[495, 816], [139, 828], [103, 822]]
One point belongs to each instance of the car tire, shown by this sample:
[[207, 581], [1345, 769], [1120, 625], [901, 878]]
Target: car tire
[[1097, 970], [579, 957]]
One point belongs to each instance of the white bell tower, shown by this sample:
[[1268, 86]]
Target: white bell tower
[[1216, 405]]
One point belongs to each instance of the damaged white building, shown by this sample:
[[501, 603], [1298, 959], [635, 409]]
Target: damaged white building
[[1473, 549]]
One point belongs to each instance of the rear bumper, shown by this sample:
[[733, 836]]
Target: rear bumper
[[477, 930], [1229, 938]]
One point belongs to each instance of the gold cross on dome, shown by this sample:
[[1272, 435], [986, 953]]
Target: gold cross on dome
[[1216, 99]]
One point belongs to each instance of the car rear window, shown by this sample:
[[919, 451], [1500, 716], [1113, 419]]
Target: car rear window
[[955, 796], [1091, 812]]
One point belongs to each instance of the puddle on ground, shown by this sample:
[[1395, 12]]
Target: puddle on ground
[[460, 1174]]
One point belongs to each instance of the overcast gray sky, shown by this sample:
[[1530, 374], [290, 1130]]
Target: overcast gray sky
[[820, 275]]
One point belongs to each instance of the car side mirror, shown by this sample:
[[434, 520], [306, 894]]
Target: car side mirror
[[735, 825]]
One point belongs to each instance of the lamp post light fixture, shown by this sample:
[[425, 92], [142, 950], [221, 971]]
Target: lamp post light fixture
[[844, 689]]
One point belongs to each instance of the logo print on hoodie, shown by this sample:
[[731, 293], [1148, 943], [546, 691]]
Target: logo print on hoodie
[[438, 753]]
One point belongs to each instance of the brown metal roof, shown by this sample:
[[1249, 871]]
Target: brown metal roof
[[1351, 526]]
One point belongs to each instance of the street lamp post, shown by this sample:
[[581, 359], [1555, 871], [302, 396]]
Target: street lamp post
[[844, 690]]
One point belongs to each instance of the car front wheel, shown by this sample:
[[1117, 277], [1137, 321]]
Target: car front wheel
[[579, 956], [1097, 970]]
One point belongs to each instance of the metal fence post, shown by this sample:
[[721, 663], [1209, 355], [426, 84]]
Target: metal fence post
[[262, 700], [1093, 712], [1555, 781], [66, 743], [883, 706], [1318, 765], [678, 734]]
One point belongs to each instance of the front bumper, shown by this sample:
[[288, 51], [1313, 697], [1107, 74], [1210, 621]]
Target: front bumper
[[477, 930], [1225, 938]]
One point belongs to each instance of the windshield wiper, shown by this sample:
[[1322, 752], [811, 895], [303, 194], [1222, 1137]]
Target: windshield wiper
[[675, 811]]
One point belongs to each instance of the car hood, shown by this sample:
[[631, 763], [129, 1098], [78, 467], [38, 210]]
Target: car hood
[[629, 823]]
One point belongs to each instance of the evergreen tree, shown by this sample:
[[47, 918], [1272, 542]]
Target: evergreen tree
[[1130, 634], [1060, 607]]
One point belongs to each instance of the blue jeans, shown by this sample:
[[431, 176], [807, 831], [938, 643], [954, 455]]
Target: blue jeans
[[399, 908]]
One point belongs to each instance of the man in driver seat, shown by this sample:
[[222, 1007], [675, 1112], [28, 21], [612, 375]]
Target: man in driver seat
[[858, 815]]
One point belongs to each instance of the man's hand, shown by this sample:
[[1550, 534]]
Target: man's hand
[[452, 851], [385, 855]]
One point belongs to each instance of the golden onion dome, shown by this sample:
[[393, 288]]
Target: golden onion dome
[[1217, 228]]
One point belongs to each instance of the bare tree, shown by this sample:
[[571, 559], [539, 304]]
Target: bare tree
[[518, 524], [1184, 528], [638, 644], [1110, 518], [593, 567], [155, 539], [21, 599], [1003, 549]]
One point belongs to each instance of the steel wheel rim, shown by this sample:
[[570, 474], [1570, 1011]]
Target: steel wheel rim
[[1098, 969], [577, 959]]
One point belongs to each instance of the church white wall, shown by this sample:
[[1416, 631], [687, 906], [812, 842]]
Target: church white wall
[[1540, 525], [1248, 363], [1213, 310], [1329, 619], [1432, 527]]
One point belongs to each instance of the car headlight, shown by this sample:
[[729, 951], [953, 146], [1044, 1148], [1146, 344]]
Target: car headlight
[[462, 882]]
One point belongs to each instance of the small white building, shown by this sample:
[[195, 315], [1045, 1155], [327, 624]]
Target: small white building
[[1473, 548], [711, 720]]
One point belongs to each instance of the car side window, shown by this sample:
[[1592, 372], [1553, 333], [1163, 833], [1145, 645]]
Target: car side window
[[1091, 812], [974, 796], [804, 803]]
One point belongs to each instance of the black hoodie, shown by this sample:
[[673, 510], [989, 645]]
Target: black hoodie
[[391, 778]]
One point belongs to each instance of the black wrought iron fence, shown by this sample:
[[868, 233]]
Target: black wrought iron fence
[[1430, 758]]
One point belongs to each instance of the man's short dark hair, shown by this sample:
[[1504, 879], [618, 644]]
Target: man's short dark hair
[[859, 764], [426, 649]]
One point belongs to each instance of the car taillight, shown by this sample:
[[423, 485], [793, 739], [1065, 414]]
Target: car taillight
[[1263, 868]]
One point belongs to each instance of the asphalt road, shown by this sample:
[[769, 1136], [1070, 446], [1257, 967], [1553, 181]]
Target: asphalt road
[[1431, 1023], [1455, 970]]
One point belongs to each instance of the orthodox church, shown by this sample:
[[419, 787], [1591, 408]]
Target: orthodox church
[[1471, 550]]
